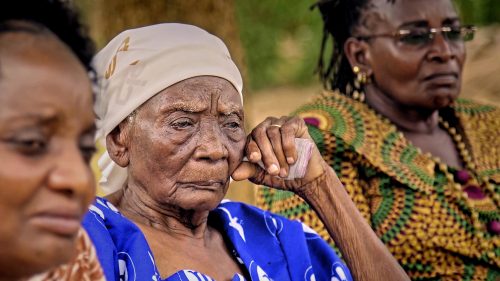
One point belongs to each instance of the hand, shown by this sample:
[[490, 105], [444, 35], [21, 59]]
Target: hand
[[273, 143]]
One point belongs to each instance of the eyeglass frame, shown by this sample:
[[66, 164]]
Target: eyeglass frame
[[431, 33]]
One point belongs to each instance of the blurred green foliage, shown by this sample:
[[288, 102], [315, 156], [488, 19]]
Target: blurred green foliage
[[281, 38], [281, 41], [480, 12]]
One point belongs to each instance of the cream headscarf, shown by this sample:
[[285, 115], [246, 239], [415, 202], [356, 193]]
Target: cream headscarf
[[139, 63]]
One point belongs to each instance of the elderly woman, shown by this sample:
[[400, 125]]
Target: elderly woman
[[46, 142], [421, 165], [170, 111]]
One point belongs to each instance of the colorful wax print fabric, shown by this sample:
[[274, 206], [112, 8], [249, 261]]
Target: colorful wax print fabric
[[440, 223]]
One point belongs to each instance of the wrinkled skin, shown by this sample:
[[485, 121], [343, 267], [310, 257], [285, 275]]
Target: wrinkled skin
[[181, 147], [183, 144], [46, 141]]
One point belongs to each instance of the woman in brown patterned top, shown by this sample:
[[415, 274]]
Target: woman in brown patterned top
[[46, 142], [421, 165]]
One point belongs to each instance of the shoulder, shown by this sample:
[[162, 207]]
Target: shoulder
[[264, 223], [474, 115], [275, 242], [328, 109], [101, 212], [260, 219], [349, 122], [473, 108], [120, 245], [480, 125]]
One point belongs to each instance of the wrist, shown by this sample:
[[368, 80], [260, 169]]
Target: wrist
[[312, 188]]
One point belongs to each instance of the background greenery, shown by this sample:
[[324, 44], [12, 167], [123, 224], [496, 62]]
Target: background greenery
[[281, 38]]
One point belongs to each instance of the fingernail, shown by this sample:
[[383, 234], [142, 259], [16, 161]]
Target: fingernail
[[283, 173], [254, 156], [273, 169], [290, 160]]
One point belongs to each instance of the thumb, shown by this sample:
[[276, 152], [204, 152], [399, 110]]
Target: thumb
[[245, 171]]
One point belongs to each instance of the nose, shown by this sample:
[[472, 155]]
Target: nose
[[211, 145], [70, 173], [441, 49]]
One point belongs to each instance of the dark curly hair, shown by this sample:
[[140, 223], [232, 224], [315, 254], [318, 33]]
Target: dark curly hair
[[54, 15], [340, 18]]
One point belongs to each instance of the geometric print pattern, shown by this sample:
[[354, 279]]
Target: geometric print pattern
[[410, 199]]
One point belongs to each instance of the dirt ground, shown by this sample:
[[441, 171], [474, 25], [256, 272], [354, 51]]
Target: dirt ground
[[481, 82]]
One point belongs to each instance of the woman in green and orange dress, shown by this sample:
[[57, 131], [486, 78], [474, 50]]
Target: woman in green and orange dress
[[422, 165]]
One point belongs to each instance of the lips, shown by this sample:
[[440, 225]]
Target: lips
[[63, 221], [203, 185], [442, 78]]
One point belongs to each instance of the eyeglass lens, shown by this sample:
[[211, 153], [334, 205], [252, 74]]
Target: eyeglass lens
[[424, 36]]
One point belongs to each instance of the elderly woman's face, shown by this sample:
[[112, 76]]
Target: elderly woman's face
[[46, 141], [186, 141]]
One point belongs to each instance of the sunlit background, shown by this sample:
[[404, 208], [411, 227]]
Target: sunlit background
[[276, 44]]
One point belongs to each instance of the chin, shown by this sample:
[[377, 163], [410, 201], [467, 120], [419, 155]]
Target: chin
[[51, 250], [443, 99], [442, 102], [206, 204], [38, 256]]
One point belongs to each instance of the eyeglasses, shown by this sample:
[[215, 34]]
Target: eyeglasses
[[423, 36]]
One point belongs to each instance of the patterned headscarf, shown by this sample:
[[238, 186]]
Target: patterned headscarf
[[139, 63]]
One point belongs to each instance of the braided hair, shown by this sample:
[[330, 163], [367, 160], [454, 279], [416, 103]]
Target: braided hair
[[54, 15], [340, 18]]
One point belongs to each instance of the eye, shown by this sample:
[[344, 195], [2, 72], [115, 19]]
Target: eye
[[31, 146], [87, 152], [182, 123], [231, 122], [414, 36], [459, 33], [233, 125]]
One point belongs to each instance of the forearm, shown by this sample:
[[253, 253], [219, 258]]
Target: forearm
[[365, 255]]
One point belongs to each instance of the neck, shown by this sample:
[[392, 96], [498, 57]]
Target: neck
[[136, 204], [408, 119]]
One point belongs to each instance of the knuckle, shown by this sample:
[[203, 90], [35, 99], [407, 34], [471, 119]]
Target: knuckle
[[273, 132], [284, 118], [270, 120], [258, 132], [298, 120], [288, 130]]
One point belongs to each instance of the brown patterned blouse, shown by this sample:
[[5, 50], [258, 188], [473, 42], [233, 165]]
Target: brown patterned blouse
[[439, 223], [84, 267]]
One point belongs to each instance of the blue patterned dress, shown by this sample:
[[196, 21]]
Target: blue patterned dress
[[269, 246]]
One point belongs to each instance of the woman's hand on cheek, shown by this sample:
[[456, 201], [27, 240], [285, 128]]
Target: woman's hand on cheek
[[272, 143]]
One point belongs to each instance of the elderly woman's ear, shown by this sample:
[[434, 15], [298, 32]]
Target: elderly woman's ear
[[117, 143]]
